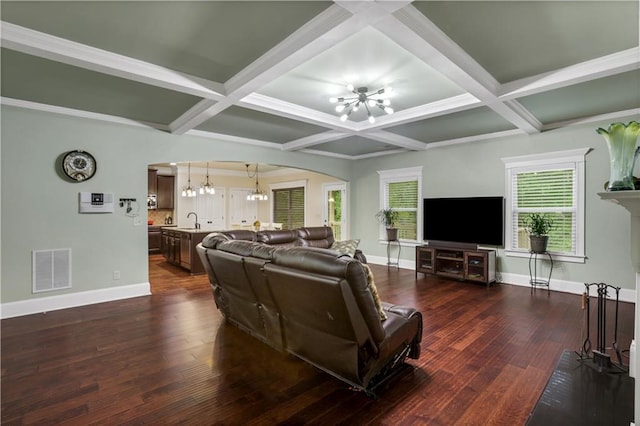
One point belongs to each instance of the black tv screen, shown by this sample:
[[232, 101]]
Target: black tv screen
[[472, 220]]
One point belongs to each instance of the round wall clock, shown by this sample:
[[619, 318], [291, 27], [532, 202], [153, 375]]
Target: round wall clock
[[79, 165]]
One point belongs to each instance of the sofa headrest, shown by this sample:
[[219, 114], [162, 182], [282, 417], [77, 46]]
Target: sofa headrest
[[240, 234], [317, 236], [284, 236], [247, 248], [212, 240], [314, 260]]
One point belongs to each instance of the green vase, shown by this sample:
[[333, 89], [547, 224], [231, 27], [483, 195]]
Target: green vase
[[621, 141]]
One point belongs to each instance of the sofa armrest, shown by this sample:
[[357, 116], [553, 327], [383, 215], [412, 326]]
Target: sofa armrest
[[359, 256], [410, 314]]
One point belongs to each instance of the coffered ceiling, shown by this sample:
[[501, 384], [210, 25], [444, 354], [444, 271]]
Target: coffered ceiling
[[262, 72]]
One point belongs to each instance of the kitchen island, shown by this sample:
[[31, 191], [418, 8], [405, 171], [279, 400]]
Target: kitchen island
[[178, 246]]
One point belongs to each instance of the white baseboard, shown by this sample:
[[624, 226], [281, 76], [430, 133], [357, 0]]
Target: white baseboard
[[72, 300], [574, 287], [379, 260]]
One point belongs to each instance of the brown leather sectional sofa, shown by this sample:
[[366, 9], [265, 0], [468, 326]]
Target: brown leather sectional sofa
[[311, 302]]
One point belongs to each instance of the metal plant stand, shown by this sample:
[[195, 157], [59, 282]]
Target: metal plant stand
[[535, 280], [389, 245]]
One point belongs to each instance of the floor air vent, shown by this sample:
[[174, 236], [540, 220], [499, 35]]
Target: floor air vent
[[51, 269]]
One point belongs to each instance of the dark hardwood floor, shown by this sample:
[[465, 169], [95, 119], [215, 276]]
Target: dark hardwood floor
[[168, 358]]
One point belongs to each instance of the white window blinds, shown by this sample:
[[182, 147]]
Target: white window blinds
[[549, 192], [403, 197], [288, 207]]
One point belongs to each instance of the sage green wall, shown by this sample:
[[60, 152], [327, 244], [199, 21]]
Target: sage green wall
[[476, 169], [40, 210]]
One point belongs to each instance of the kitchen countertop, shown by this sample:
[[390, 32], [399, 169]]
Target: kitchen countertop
[[191, 230]]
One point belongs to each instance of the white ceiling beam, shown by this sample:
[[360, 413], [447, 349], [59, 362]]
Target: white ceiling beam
[[317, 35], [57, 49], [394, 139], [417, 34], [318, 139], [421, 112], [321, 33], [605, 66], [293, 111]]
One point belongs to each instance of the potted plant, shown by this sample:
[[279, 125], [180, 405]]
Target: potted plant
[[388, 218], [538, 225]]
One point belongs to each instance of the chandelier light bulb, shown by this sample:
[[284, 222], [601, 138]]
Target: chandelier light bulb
[[184, 193], [201, 190], [362, 97]]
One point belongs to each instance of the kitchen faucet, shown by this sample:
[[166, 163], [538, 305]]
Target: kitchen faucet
[[197, 225]]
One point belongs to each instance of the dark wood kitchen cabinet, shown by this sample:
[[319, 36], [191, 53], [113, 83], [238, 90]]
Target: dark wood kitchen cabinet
[[152, 185], [155, 239], [179, 248], [165, 191]]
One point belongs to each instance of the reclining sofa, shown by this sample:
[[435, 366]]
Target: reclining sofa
[[311, 302]]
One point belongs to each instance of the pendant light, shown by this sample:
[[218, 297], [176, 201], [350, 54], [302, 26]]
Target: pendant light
[[206, 187], [188, 191], [256, 194]]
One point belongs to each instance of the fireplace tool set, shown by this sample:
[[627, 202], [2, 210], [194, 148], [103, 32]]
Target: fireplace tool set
[[601, 359]]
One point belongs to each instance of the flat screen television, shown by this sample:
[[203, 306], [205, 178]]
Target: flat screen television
[[469, 220]]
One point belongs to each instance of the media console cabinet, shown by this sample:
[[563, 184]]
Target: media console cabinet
[[464, 264]]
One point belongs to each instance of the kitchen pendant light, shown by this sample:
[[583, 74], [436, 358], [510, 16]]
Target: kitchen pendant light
[[256, 194], [189, 191], [206, 187]]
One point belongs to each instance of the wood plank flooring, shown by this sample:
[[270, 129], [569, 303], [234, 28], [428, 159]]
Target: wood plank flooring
[[168, 358]]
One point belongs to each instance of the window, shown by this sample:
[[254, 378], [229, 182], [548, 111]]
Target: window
[[401, 190], [288, 204], [551, 184]]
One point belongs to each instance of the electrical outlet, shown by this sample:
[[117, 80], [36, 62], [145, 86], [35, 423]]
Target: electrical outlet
[[116, 275], [137, 221]]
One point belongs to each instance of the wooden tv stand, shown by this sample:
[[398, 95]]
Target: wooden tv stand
[[454, 262]]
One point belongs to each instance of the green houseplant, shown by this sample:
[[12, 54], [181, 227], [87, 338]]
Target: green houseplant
[[538, 225], [389, 217]]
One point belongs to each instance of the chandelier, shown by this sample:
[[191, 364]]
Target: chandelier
[[189, 191], [206, 187], [256, 194], [347, 105]]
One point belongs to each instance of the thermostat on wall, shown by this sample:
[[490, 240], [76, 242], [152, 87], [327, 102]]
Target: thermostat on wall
[[96, 202]]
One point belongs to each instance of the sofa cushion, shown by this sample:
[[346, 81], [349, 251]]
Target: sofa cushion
[[346, 247], [374, 292], [284, 237], [317, 236], [212, 240]]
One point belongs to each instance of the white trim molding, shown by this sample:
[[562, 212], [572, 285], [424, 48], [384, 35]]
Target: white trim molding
[[72, 300]]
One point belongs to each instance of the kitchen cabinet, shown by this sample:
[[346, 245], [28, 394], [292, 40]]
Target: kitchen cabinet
[[155, 239], [179, 248], [165, 191], [152, 186]]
